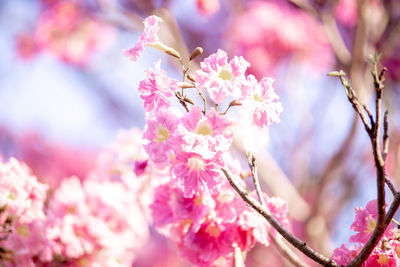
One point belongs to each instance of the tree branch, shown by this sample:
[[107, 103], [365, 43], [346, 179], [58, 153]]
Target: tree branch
[[299, 244]]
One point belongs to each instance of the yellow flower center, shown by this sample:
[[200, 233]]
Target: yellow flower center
[[23, 231], [198, 201], [371, 226], [383, 259], [225, 75], [258, 98], [162, 134], [213, 230], [204, 128]]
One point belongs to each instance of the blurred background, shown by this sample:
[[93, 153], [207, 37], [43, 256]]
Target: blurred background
[[66, 89]]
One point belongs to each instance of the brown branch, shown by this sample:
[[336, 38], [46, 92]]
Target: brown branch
[[358, 107], [297, 243], [283, 249], [286, 251], [391, 186], [373, 131], [253, 168], [385, 138]]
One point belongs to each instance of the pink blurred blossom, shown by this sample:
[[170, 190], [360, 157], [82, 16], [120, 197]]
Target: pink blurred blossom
[[208, 7], [22, 198], [254, 34], [66, 30]]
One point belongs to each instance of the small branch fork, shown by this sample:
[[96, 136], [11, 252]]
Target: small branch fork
[[299, 244], [373, 129]]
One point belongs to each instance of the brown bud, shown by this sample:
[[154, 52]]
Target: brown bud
[[185, 85], [191, 77], [188, 100], [235, 103], [196, 52]]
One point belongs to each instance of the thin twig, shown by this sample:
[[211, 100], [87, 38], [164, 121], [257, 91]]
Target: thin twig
[[359, 108], [385, 137], [374, 134], [253, 168], [283, 249], [286, 252], [390, 185], [297, 243]]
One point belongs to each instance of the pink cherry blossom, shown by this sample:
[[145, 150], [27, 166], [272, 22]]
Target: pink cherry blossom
[[156, 89], [365, 222], [379, 258], [261, 101], [210, 130], [220, 78], [159, 133], [148, 36], [194, 174], [344, 255], [173, 213]]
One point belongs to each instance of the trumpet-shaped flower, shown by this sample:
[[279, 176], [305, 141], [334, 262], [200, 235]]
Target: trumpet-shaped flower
[[156, 89], [160, 136], [220, 78], [261, 101]]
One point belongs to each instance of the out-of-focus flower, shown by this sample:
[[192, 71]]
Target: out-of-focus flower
[[22, 200], [207, 7], [69, 32], [26, 46], [101, 217], [254, 34], [346, 12]]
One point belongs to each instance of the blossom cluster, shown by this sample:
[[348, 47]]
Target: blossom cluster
[[386, 253], [254, 34], [67, 30], [98, 220], [194, 205]]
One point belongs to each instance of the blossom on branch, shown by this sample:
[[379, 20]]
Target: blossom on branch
[[156, 89], [221, 78]]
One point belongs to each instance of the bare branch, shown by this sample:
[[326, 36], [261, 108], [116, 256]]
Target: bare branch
[[390, 185], [299, 244], [358, 107], [253, 167], [385, 137], [286, 252]]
